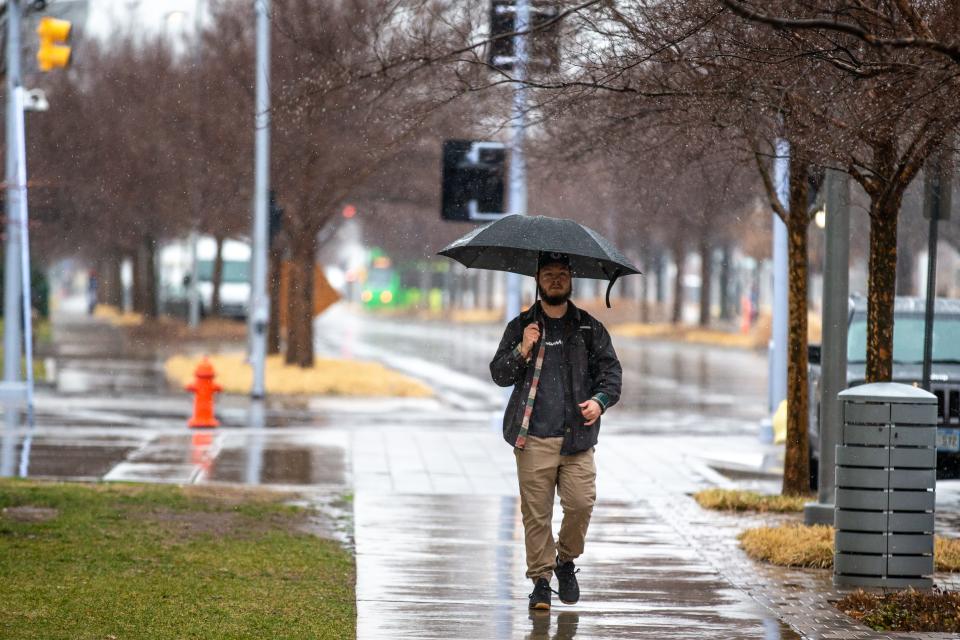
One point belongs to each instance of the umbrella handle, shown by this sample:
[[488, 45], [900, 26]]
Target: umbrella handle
[[616, 274]]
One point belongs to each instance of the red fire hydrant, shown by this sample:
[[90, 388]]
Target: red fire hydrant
[[203, 387]]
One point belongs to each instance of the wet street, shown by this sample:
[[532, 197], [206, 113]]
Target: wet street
[[435, 516], [667, 387]]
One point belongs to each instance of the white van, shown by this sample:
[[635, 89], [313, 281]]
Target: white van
[[175, 268]]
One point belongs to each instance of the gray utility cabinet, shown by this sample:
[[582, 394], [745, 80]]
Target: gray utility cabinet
[[886, 483]]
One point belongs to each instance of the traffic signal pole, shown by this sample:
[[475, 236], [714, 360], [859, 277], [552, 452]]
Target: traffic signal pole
[[17, 259], [11, 273], [518, 165], [259, 305]]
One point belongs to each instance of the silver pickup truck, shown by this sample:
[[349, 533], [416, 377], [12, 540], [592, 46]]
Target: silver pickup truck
[[907, 368]]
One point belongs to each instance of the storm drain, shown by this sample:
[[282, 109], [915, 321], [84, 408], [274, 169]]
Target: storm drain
[[886, 483]]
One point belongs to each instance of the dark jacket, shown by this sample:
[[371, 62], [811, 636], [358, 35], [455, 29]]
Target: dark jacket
[[592, 370]]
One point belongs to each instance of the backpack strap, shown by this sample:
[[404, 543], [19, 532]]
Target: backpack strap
[[528, 407]]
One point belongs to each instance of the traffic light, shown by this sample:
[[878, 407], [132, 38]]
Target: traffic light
[[53, 53], [472, 183], [937, 187], [816, 191], [543, 41]]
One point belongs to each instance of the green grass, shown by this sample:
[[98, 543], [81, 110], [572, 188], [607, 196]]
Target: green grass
[[145, 561]]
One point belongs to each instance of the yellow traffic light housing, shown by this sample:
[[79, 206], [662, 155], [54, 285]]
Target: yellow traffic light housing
[[54, 52]]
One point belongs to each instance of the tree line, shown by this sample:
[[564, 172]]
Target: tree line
[[660, 127]]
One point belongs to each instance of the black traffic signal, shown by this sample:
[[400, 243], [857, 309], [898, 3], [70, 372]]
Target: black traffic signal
[[937, 187], [472, 183], [543, 41]]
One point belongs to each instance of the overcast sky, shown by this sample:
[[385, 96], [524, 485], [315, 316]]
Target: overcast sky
[[176, 17]]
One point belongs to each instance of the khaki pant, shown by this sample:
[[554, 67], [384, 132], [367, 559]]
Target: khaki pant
[[542, 472]]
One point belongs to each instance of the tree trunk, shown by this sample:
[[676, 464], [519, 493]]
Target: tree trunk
[[644, 289], [273, 330], [680, 257], [149, 277], [706, 279], [216, 278], [110, 289], [726, 275], [136, 287], [300, 310], [882, 287], [796, 469]]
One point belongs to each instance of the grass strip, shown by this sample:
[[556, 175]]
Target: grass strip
[[146, 561], [907, 610], [327, 377], [800, 545], [739, 500]]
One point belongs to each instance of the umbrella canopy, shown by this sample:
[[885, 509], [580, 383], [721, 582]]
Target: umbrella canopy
[[514, 243]]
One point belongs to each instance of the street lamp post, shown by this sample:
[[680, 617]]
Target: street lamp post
[[259, 305]]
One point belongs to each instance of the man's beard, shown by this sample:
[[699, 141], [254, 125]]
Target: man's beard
[[554, 300]]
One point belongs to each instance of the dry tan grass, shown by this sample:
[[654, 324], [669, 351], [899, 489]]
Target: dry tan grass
[[791, 545], [327, 377], [799, 545], [738, 500], [946, 552], [117, 317], [756, 338]]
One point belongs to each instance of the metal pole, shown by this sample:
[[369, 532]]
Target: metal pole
[[833, 358], [931, 296], [937, 187], [778, 339], [518, 165], [11, 274], [259, 305], [193, 290]]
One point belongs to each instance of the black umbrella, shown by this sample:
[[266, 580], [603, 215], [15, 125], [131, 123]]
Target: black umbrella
[[513, 243]]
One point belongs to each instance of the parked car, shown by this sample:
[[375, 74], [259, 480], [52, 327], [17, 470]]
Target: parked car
[[908, 325]]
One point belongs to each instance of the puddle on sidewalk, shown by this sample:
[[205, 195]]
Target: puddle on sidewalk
[[281, 465], [47, 459]]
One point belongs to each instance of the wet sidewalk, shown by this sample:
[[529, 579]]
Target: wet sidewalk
[[439, 544], [437, 529], [447, 566]]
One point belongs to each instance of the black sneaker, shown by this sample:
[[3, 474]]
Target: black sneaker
[[567, 577], [540, 598]]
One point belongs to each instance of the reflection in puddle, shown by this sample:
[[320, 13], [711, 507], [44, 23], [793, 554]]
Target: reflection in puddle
[[201, 452], [8, 445], [567, 623], [257, 463]]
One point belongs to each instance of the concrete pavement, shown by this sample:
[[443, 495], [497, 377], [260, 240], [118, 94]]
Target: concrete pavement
[[436, 528]]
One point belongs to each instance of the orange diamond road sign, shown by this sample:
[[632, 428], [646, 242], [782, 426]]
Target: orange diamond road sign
[[324, 295]]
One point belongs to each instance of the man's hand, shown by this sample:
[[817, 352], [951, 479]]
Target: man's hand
[[590, 411], [530, 336]]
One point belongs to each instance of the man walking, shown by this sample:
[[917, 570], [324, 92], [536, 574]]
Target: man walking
[[565, 374]]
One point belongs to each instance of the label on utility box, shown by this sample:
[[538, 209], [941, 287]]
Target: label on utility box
[[948, 439]]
